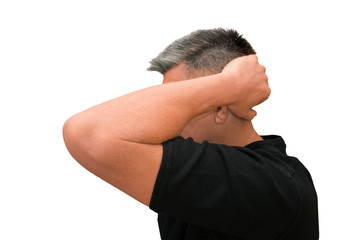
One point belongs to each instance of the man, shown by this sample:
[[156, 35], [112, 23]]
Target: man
[[188, 148]]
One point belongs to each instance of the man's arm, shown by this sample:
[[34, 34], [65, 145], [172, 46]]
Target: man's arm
[[120, 140]]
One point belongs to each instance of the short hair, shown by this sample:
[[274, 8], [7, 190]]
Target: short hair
[[203, 51]]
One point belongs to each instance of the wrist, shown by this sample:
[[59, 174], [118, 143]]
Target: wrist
[[228, 87]]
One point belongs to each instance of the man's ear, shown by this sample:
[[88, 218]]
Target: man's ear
[[221, 114]]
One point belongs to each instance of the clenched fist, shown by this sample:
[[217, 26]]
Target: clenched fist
[[249, 84]]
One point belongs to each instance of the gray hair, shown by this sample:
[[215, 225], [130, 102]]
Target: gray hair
[[203, 50]]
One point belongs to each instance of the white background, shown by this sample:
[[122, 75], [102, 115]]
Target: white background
[[60, 57]]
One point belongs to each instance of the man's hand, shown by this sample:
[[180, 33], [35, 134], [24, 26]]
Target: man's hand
[[249, 79]]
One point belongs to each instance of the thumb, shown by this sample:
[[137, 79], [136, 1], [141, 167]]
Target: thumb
[[251, 114]]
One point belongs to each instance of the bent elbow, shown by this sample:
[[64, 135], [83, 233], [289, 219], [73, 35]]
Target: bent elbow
[[79, 138], [71, 136]]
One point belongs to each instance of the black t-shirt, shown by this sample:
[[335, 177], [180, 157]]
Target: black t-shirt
[[214, 191]]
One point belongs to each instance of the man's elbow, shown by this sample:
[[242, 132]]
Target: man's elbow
[[79, 138]]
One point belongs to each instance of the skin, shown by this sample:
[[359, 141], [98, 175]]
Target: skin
[[217, 126], [120, 140]]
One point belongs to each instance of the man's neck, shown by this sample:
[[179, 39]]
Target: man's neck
[[241, 133]]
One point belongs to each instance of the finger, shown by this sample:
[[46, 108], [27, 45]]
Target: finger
[[251, 114], [265, 96], [263, 67]]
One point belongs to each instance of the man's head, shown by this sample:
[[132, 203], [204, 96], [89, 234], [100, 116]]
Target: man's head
[[202, 52]]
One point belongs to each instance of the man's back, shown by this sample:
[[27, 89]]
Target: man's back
[[210, 191]]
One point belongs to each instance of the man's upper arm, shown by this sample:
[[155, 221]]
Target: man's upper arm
[[130, 167]]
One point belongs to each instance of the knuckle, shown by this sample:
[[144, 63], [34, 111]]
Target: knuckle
[[268, 92], [266, 79], [263, 67]]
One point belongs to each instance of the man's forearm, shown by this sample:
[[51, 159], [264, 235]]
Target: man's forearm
[[159, 113], [155, 114]]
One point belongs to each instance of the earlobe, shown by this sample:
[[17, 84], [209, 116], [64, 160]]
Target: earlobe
[[221, 114]]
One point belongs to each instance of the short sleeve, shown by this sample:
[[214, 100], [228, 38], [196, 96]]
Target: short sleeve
[[234, 190]]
